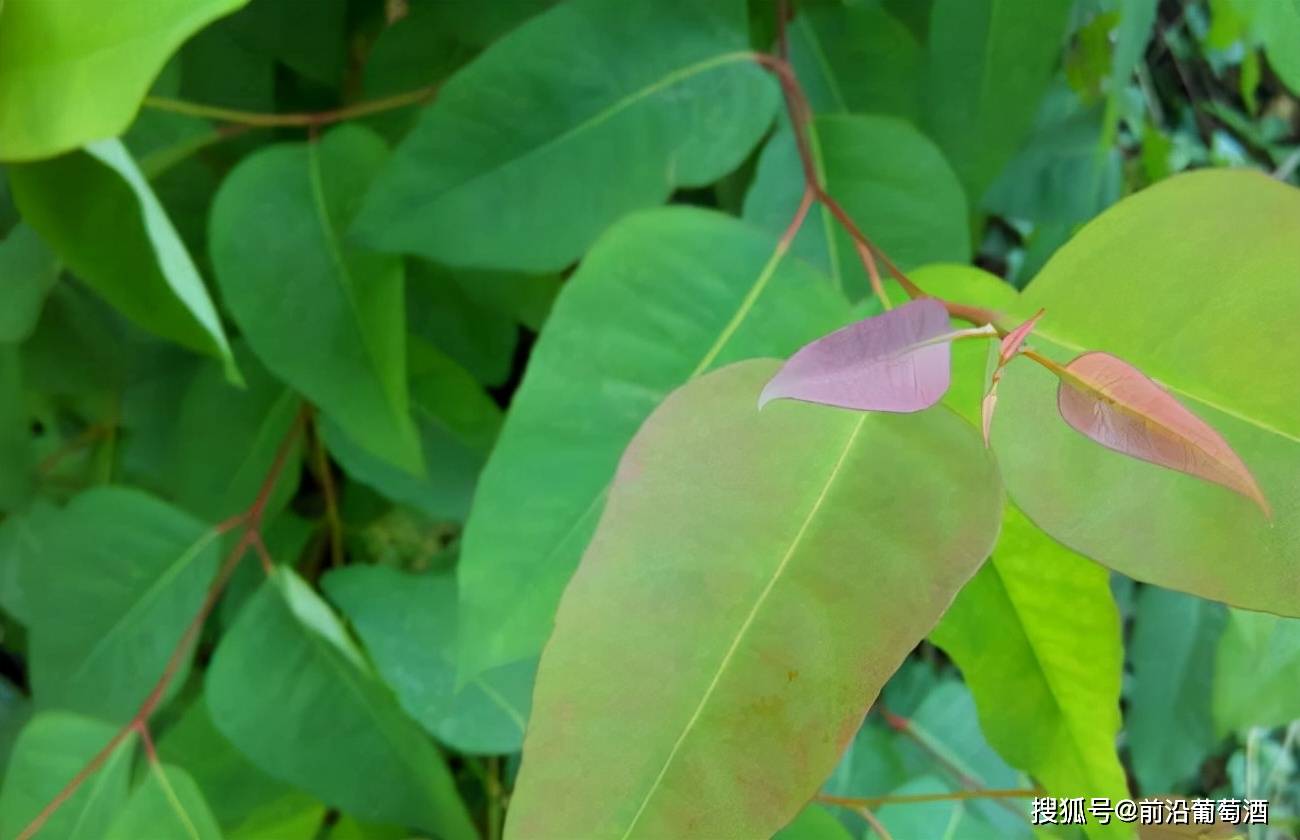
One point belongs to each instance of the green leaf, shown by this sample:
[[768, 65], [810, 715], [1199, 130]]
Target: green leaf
[[29, 270], [1169, 726], [889, 178], [1038, 638], [325, 317], [663, 296], [67, 77], [133, 570], [223, 440], [771, 558], [990, 62], [814, 823], [586, 112], [17, 456], [408, 625], [166, 805], [1208, 250], [1277, 24], [51, 750], [444, 312], [457, 423], [15, 711], [312, 44], [1257, 672], [290, 689], [857, 59], [98, 214], [241, 796]]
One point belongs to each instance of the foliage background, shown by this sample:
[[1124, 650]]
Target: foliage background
[[135, 416]]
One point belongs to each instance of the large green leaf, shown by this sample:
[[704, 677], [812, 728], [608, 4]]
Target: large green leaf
[[29, 270], [1169, 727], [586, 112], [325, 317], [408, 624], [663, 296], [1038, 638], [480, 338], [98, 214], [1192, 281], [116, 578], [166, 805], [1257, 672], [68, 77], [457, 423], [990, 62], [51, 750], [290, 689], [857, 59], [773, 559], [889, 178], [17, 456], [242, 797]]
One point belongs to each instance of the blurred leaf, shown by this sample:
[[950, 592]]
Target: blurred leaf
[[990, 63], [223, 441], [166, 805], [1136, 21], [17, 457], [898, 361], [1209, 248], [291, 691], [133, 570], [67, 77], [1170, 730], [857, 59], [665, 295], [778, 648], [241, 796], [1257, 672], [322, 315], [15, 711], [408, 625], [311, 40], [97, 213], [1037, 637], [584, 113], [51, 750], [443, 311], [479, 24], [457, 424], [891, 180], [814, 823], [1276, 23], [29, 270]]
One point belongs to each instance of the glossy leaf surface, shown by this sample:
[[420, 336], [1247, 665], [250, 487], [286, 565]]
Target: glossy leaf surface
[[899, 361], [321, 314], [67, 78], [665, 295], [778, 643], [99, 215], [290, 689], [580, 115], [1210, 249]]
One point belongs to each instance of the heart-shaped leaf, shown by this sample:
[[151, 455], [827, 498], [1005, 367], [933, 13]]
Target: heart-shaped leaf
[[1118, 406], [899, 361]]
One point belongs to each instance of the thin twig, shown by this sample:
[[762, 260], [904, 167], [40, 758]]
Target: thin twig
[[306, 119], [321, 467], [139, 722], [875, 824]]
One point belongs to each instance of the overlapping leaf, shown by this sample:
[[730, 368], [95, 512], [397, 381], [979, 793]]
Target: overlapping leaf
[[588, 111], [1209, 251], [778, 641], [665, 295]]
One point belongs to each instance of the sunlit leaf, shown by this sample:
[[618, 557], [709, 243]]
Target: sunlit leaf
[[898, 361], [778, 642], [1115, 404]]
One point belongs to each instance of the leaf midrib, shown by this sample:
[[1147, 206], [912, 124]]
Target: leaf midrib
[[784, 563]]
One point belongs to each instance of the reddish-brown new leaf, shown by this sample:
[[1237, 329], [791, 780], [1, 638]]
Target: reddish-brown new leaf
[[1007, 351], [1118, 406]]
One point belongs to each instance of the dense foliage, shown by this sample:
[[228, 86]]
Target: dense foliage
[[414, 416]]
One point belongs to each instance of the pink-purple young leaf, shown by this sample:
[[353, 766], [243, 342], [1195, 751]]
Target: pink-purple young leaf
[[898, 361], [1118, 406], [1007, 350]]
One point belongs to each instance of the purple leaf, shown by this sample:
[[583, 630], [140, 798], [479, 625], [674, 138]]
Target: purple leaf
[[898, 361], [1115, 404]]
